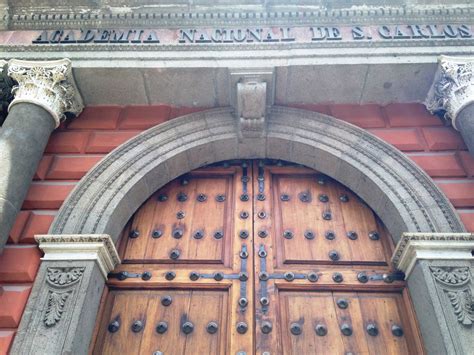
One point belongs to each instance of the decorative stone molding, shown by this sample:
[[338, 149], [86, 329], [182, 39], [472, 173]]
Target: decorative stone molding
[[99, 248], [453, 87], [402, 195], [49, 84], [264, 14], [431, 246]]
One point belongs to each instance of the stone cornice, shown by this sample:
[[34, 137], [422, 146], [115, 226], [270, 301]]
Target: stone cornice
[[41, 18], [426, 46], [431, 246], [49, 84], [452, 88], [97, 247]]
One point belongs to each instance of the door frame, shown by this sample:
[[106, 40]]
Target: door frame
[[399, 192]]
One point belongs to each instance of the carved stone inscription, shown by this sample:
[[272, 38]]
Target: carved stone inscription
[[257, 34], [62, 282], [455, 282]]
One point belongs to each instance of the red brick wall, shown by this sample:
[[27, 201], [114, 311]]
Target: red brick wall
[[78, 145]]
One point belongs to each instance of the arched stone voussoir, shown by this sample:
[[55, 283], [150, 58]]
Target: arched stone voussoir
[[403, 196]]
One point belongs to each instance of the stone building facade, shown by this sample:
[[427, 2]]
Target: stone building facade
[[106, 101]]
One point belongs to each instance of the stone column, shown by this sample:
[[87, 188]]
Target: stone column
[[439, 268], [62, 308], [44, 93], [452, 95]]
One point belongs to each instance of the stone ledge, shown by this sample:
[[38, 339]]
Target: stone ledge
[[431, 246], [96, 247]]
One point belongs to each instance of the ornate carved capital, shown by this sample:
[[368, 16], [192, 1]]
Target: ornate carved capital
[[452, 88], [5, 90], [431, 246], [48, 84], [97, 247]]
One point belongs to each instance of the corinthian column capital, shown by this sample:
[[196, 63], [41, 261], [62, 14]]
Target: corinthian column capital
[[48, 84], [453, 87]]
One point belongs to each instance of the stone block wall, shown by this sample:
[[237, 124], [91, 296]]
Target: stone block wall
[[79, 144]]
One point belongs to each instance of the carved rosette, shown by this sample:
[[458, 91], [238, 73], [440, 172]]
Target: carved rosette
[[62, 281], [455, 283], [48, 84], [452, 88]]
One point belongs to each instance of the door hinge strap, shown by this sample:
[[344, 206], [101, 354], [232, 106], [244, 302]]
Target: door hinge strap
[[123, 275]]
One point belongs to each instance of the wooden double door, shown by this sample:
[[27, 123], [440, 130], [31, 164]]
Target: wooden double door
[[255, 257]]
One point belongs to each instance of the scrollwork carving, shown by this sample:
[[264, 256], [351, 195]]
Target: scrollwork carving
[[47, 84], [55, 307], [462, 301], [63, 277]]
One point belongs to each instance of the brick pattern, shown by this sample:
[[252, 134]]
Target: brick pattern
[[79, 144]]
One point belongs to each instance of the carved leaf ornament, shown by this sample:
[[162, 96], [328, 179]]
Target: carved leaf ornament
[[462, 300], [59, 277], [64, 276], [454, 276], [55, 307], [463, 304]]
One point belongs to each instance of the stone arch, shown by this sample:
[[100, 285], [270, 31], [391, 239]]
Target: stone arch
[[402, 195]]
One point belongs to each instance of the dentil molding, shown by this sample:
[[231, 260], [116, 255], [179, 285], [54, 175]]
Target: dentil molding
[[49, 84], [452, 88], [97, 247], [431, 246]]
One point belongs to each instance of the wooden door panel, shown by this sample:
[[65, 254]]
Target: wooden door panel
[[199, 307], [314, 311], [192, 216], [315, 216], [252, 205]]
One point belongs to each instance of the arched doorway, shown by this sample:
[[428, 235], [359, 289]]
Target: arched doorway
[[256, 256]]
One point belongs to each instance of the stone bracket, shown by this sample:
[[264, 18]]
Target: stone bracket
[[252, 92], [431, 246], [97, 247]]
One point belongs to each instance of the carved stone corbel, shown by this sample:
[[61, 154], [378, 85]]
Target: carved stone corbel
[[452, 95], [49, 84], [252, 92]]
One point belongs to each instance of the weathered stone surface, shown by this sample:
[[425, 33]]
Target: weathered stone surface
[[101, 201], [60, 315], [23, 138], [439, 313], [465, 122], [62, 308]]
